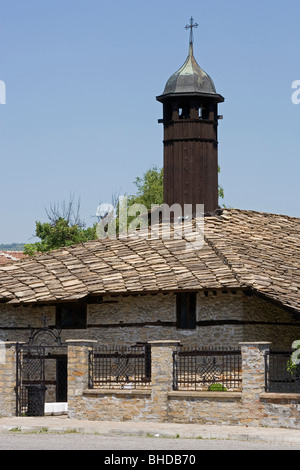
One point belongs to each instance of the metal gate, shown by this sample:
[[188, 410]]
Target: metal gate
[[41, 372], [30, 387]]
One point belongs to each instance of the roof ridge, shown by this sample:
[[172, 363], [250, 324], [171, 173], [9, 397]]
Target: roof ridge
[[224, 259], [271, 214]]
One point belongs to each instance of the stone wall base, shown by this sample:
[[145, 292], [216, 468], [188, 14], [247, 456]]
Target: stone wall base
[[217, 408]]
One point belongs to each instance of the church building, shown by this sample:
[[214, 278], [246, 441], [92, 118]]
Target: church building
[[242, 284]]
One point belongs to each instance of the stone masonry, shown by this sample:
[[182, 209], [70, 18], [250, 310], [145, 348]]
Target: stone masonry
[[7, 378], [251, 406], [223, 319]]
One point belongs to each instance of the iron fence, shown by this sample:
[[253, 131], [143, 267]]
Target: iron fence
[[204, 369], [120, 367], [280, 377]]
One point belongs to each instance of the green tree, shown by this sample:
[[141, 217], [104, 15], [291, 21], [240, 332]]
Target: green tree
[[58, 234], [149, 188], [63, 229]]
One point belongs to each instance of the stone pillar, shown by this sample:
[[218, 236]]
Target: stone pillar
[[7, 378], [253, 379], [161, 377], [78, 373]]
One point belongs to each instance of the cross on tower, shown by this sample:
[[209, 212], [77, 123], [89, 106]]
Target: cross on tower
[[190, 27]]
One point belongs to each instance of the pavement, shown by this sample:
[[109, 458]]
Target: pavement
[[63, 424]]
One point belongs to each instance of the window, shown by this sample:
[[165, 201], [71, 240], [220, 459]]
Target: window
[[186, 310], [184, 112], [71, 315]]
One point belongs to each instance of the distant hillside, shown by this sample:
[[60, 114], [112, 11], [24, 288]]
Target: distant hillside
[[12, 247]]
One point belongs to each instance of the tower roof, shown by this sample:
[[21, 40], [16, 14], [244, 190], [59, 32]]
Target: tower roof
[[190, 78]]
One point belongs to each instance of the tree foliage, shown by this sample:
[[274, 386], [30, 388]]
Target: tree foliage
[[63, 229], [149, 188], [58, 234]]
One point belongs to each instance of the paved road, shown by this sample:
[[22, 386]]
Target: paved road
[[11, 440]]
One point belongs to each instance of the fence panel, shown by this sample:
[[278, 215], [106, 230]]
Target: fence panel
[[202, 369], [279, 378], [120, 367]]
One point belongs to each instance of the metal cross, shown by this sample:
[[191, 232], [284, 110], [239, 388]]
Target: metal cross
[[191, 26]]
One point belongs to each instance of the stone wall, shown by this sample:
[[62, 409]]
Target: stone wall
[[251, 406], [15, 321], [159, 402], [7, 378], [223, 319], [84, 403]]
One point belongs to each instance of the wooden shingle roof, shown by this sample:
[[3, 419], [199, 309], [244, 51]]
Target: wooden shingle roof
[[262, 251], [243, 249]]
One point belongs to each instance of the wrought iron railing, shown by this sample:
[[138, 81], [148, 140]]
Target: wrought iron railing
[[203, 369], [280, 376], [120, 367]]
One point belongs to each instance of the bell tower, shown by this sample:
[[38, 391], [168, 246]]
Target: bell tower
[[190, 119]]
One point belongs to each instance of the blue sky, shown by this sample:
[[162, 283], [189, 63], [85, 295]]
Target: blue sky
[[81, 115]]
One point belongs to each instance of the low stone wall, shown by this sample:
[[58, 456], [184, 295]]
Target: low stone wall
[[160, 403], [205, 407], [281, 410], [252, 406], [115, 405]]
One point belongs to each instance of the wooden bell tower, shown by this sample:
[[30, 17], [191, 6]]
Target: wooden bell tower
[[190, 118]]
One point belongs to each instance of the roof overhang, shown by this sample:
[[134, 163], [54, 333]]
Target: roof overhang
[[168, 96]]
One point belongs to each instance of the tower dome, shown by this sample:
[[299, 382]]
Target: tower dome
[[190, 78]]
